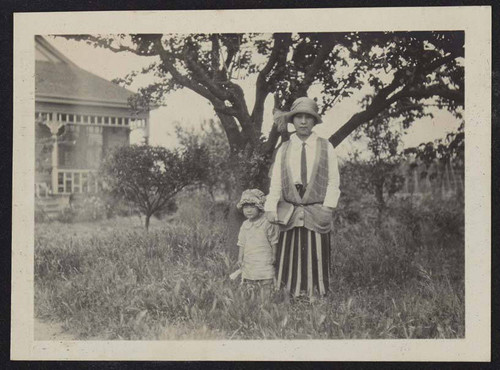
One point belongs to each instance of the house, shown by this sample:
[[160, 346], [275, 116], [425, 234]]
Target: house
[[79, 117]]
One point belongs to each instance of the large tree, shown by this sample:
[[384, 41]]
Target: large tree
[[401, 72]]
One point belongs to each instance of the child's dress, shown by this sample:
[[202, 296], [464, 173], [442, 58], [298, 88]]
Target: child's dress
[[256, 238]]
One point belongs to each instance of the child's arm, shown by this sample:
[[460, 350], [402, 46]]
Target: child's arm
[[241, 244], [273, 238], [240, 256], [273, 253]]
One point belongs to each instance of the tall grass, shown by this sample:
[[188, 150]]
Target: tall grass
[[401, 277]]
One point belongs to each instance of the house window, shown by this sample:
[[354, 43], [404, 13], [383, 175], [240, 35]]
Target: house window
[[68, 182], [63, 117], [76, 183], [126, 121], [106, 120], [84, 183], [60, 182], [113, 121], [91, 183]]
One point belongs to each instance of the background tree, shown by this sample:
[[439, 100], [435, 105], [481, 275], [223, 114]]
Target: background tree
[[403, 72], [150, 176], [446, 155], [377, 174], [220, 178]]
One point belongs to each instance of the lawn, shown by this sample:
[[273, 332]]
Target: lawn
[[396, 276]]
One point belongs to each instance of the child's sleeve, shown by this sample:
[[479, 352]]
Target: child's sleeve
[[273, 233], [241, 237]]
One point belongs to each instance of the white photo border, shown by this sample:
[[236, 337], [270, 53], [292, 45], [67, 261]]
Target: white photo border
[[474, 20]]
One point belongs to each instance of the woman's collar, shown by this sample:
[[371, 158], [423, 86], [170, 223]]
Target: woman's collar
[[312, 138]]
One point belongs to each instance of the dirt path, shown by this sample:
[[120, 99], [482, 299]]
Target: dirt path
[[46, 330]]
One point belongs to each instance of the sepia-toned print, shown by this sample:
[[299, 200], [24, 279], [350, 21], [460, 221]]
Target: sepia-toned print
[[221, 187]]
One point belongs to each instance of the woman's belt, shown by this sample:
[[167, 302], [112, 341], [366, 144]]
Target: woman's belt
[[301, 204]]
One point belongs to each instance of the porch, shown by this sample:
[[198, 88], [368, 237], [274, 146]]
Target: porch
[[52, 200]]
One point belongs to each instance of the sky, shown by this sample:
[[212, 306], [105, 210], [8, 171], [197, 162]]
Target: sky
[[189, 109]]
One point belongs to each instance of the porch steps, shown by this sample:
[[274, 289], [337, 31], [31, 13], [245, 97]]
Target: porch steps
[[52, 205]]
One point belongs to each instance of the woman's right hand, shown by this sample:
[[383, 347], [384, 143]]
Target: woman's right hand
[[272, 217]]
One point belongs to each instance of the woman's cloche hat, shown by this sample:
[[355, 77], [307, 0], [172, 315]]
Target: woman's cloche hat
[[303, 105], [252, 196]]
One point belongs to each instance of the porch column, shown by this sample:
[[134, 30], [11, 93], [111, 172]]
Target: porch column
[[146, 130], [54, 125]]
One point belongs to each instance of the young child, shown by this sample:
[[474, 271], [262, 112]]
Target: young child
[[257, 241]]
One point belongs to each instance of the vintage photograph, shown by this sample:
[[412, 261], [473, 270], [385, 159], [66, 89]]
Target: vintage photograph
[[265, 186]]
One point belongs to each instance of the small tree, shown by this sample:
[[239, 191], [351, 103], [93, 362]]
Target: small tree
[[378, 172], [214, 139], [448, 154], [150, 176]]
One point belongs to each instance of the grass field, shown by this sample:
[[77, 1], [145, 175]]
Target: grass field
[[399, 276]]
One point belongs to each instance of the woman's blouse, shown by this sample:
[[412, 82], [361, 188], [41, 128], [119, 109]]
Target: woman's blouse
[[295, 150], [256, 238]]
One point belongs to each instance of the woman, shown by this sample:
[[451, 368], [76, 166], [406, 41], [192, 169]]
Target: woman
[[304, 175]]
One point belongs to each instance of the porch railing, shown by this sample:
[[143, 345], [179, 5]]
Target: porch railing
[[42, 190]]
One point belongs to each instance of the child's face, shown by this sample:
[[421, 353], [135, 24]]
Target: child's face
[[250, 211]]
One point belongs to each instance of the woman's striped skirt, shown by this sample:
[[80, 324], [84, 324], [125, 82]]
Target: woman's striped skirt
[[303, 258]]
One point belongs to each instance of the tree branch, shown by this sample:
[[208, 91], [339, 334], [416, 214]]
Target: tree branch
[[202, 77], [326, 47], [438, 63], [232, 93], [271, 141], [215, 53], [168, 62], [435, 90], [380, 103], [281, 42]]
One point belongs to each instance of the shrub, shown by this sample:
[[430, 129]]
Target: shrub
[[92, 208], [67, 215]]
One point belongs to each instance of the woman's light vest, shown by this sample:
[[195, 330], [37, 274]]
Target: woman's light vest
[[309, 211]]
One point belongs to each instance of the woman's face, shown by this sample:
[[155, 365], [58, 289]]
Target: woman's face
[[250, 211], [304, 124]]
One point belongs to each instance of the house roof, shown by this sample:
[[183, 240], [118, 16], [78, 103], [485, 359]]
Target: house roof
[[61, 80], [58, 79]]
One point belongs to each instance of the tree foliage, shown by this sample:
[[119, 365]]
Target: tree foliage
[[378, 175], [213, 139], [150, 176], [451, 148], [401, 72], [404, 69], [247, 169]]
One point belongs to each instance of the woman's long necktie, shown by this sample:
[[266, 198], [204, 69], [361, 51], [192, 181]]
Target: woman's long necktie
[[303, 170]]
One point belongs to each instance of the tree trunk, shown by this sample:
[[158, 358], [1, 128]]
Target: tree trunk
[[146, 222], [235, 219]]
